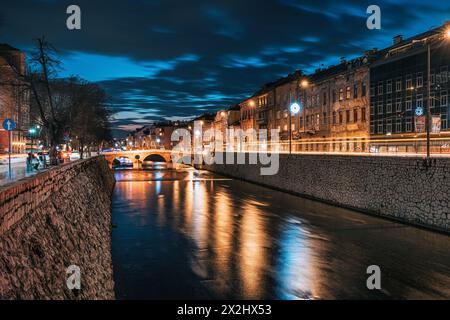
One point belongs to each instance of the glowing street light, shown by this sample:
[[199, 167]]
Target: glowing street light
[[304, 83], [294, 109]]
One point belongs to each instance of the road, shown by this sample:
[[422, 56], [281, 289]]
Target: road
[[19, 168]]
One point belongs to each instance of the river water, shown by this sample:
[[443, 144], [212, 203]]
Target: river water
[[188, 234]]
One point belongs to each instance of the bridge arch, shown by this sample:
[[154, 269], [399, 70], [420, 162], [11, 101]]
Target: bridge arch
[[154, 157], [143, 155]]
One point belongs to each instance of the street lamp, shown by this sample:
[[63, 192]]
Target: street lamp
[[293, 110], [33, 131]]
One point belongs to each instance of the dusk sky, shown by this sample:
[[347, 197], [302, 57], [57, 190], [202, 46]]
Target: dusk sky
[[175, 59]]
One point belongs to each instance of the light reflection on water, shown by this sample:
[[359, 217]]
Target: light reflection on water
[[187, 234]]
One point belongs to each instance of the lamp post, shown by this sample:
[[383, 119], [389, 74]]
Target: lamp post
[[293, 110]]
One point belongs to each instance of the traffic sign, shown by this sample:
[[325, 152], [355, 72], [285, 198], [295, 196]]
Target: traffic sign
[[9, 124]]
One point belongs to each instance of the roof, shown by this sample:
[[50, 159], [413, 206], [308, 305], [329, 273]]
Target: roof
[[7, 47]]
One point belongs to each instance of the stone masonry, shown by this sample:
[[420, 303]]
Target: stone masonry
[[393, 187], [49, 222]]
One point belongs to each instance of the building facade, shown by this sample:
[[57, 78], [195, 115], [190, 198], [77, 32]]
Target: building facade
[[14, 98], [399, 93], [335, 117]]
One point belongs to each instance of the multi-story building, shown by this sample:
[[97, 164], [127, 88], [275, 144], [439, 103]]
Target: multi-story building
[[335, 108], [14, 98], [399, 93], [226, 119]]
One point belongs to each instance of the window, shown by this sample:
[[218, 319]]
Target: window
[[432, 77], [444, 74], [334, 117], [348, 93], [341, 94], [355, 91], [355, 115], [444, 124], [398, 85], [419, 81], [363, 114], [409, 84], [278, 114], [372, 127], [444, 99], [341, 120], [372, 91], [363, 89], [380, 88], [419, 101], [389, 126], [398, 126], [301, 122], [389, 106], [285, 127], [324, 102], [293, 126], [325, 118], [408, 125], [380, 108], [334, 96], [432, 100], [380, 126], [285, 114], [389, 86], [372, 109], [347, 116], [408, 103], [398, 105]]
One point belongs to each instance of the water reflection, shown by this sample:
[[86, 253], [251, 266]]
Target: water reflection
[[187, 234]]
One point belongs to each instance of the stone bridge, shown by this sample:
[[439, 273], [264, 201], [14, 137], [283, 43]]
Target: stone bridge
[[156, 155]]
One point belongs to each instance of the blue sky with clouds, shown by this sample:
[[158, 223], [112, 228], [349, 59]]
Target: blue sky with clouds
[[175, 59]]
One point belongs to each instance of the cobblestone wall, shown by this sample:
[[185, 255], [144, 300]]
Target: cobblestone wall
[[49, 222], [394, 187]]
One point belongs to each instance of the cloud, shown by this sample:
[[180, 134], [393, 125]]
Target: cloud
[[174, 59]]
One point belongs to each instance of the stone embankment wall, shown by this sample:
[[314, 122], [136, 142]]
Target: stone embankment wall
[[51, 221], [395, 187]]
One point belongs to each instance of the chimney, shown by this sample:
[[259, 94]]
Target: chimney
[[398, 39]]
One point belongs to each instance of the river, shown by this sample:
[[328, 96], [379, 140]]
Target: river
[[188, 234]]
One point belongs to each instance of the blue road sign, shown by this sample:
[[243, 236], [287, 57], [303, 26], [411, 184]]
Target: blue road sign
[[9, 124]]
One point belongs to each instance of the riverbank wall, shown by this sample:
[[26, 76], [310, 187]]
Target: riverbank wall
[[400, 188], [53, 225]]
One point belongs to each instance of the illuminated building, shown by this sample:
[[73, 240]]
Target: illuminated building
[[399, 92], [14, 98]]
